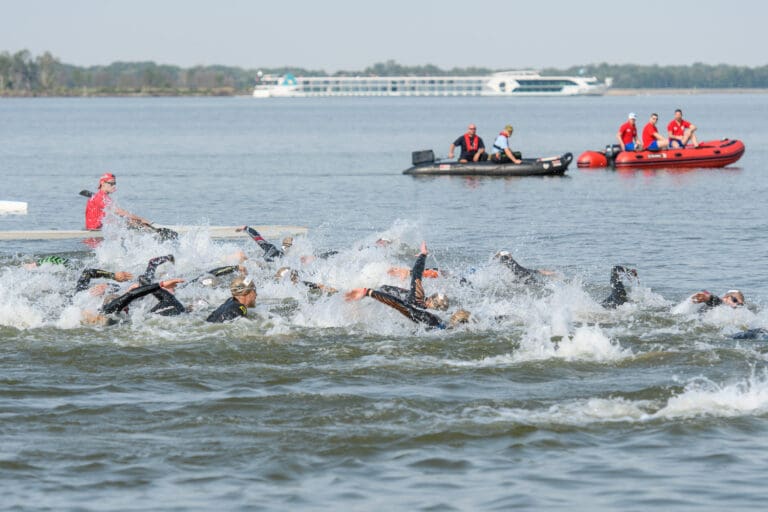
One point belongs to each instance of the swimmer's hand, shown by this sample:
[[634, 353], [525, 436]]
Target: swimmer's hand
[[170, 284], [123, 276], [241, 228], [400, 272], [701, 297], [356, 294]]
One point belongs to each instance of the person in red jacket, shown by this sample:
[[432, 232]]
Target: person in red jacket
[[96, 207], [471, 145], [652, 139], [681, 131], [628, 134]]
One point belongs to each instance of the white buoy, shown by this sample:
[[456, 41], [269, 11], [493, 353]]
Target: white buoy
[[13, 207]]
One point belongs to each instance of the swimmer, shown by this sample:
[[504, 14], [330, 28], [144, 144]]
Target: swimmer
[[294, 276], [270, 251], [527, 275], [618, 294], [732, 298], [416, 294], [243, 297], [410, 311], [113, 306], [94, 273]]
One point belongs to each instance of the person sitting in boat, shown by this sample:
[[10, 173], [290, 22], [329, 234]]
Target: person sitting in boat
[[243, 297], [652, 139], [96, 206], [503, 153], [681, 131], [628, 134], [732, 298], [472, 146]]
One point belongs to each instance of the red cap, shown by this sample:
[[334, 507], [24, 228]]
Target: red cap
[[106, 177]]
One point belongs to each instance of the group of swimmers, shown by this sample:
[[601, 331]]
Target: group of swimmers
[[679, 133], [412, 302]]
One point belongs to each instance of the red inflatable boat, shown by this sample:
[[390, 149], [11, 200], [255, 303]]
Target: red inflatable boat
[[712, 153]]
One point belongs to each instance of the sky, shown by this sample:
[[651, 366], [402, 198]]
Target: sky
[[335, 35]]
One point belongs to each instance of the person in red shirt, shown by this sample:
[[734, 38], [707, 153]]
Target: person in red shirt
[[681, 131], [628, 134], [652, 139], [100, 201]]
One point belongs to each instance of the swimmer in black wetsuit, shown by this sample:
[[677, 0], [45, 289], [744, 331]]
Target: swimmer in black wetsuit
[[416, 294], [270, 251], [732, 298], [167, 306], [210, 277], [526, 275], [294, 276], [618, 294], [94, 273], [243, 297], [410, 311]]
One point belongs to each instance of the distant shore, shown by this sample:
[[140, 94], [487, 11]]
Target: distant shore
[[671, 91], [229, 92]]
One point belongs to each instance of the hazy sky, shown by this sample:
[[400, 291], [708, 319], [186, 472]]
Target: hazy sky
[[341, 34]]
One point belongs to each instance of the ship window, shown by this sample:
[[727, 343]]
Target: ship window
[[502, 86]]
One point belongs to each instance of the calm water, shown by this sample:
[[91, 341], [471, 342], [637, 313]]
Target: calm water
[[545, 401]]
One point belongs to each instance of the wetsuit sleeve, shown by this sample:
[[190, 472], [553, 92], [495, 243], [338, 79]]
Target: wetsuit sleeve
[[91, 273], [54, 260], [417, 315], [223, 271], [416, 293], [517, 269], [168, 304], [149, 273], [327, 254], [270, 251], [400, 293], [713, 301], [122, 301]]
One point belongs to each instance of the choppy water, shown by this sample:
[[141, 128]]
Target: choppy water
[[545, 401]]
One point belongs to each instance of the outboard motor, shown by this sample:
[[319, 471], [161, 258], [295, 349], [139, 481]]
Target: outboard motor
[[426, 156], [611, 151]]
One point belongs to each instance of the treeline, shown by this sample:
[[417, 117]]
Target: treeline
[[22, 74]]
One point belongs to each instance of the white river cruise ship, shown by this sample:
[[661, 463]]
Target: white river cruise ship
[[504, 83]]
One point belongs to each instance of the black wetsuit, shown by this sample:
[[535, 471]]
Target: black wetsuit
[[92, 273], [229, 310], [526, 275], [752, 334], [167, 306], [216, 272], [418, 315], [270, 251], [414, 296], [149, 274], [618, 294]]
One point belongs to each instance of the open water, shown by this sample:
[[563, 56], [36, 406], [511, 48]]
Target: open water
[[546, 401]]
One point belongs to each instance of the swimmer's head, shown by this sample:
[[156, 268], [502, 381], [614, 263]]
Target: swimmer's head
[[383, 242], [461, 316], [438, 301], [241, 286], [734, 298], [286, 271], [287, 242]]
